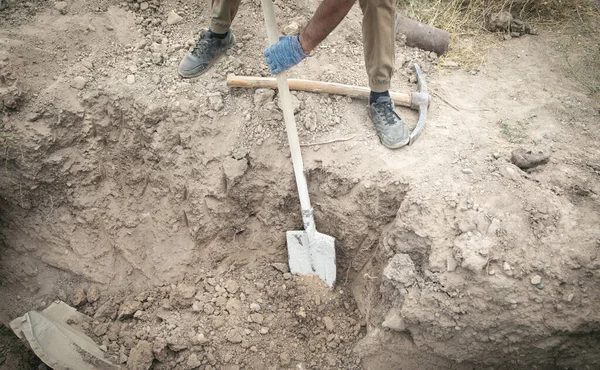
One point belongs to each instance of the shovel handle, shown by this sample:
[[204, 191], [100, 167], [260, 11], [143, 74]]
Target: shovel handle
[[288, 115]]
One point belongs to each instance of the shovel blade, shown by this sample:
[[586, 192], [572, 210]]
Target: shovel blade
[[312, 255]]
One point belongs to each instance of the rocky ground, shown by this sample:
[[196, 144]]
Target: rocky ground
[[158, 206]]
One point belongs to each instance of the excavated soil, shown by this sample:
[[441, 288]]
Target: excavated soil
[[158, 206]]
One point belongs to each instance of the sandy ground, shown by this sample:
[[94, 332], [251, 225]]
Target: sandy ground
[[158, 206]]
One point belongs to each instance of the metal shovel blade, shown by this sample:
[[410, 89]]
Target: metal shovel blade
[[312, 253]]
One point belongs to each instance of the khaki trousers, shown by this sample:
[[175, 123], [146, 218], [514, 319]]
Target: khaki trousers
[[379, 18]]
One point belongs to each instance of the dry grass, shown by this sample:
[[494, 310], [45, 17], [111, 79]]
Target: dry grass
[[466, 20]]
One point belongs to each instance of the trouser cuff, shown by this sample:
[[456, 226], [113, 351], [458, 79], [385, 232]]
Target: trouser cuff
[[219, 27], [379, 86]]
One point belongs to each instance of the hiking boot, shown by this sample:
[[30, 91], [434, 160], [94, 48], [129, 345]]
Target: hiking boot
[[391, 129], [206, 52]]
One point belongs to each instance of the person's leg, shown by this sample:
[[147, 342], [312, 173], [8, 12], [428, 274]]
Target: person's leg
[[379, 19], [223, 13], [212, 43], [379, 40]]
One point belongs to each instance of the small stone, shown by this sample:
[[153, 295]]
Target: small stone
[[159, 349], [221, 301], [287, 276], [216, 101], [201, 339], [106, 311], [234, 336], [93, 294], [218, 322], [540, 286], [467, 171], [232, 286], [109, 27], [131, 79], [144, 5], [291, 29], [174, 18], [570, 297], [193, 361], [281, 267], [536, 280], [140, 357], [233, 304], [310, 122], [451, 264], [263, 96], [183, 296], [530, 158], [394, 321], [61, 6], [234, 170], [328, 321], [496, 155], [264, 330], [257, 318], [301, 313], [197, 306], [128, 309], [78, 297], [254, 307], [285, 359], [506, 266], [401, 271], [78, 83]]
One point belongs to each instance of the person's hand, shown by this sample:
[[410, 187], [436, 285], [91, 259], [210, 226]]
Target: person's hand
[[284, 54]]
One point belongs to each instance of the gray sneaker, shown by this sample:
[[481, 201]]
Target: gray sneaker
[[206, 52], [391, 129]]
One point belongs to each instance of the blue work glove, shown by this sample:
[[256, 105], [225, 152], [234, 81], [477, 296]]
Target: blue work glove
[[285, 54]]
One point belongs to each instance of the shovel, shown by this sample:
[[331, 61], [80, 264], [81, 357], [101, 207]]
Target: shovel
[[309, 251]]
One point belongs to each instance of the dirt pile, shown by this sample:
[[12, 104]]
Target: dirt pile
[[159, 206], [235, 321]]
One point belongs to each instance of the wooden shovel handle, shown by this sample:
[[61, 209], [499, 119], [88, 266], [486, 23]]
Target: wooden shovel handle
[[314, 86]]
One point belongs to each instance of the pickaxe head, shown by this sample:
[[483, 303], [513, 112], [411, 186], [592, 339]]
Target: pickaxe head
[[420, 101]]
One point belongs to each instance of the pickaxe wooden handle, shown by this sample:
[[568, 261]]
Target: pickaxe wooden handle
[[418, 100], [314, 86]]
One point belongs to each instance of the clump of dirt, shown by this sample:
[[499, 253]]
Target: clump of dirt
[[158, 206]]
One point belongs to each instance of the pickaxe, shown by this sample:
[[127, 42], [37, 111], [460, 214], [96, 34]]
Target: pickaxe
[[418, 100]]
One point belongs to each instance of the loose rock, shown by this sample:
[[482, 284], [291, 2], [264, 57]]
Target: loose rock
[[61, 6], [530, 158], [262, 97], [128, 309], [231, 285], [536, 280], [234, 336], [79, 83], [93, 294], [328, 321], [216, 101], [193, 361], [78, 297], [401, 270], [282, 267], [174, 18], [140, 357]]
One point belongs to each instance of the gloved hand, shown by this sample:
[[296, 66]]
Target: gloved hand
[[285, 54]]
